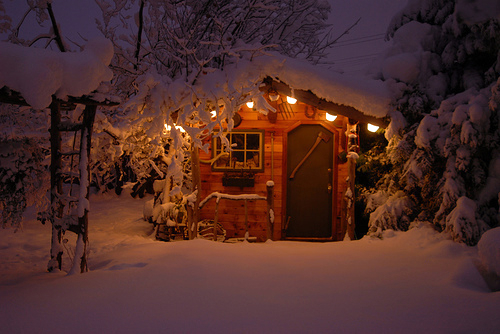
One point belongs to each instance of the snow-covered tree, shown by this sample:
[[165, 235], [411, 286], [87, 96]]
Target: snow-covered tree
[[444, 135]]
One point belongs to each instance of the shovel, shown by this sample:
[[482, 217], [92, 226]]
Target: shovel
[[321, 136]]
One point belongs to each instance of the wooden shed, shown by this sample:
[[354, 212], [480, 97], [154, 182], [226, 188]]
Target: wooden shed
[[303, 153]]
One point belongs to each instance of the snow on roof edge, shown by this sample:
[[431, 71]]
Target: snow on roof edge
[[369, 96]]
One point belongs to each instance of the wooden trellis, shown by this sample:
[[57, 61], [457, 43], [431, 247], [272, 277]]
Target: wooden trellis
[[67, 212]]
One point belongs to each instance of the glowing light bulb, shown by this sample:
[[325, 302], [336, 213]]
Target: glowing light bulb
[[178, 127], [250, 104], [331, 117], [213, 113], [372, 128], [291, 100]]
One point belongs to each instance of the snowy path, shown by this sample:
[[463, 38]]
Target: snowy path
[[412, 282]]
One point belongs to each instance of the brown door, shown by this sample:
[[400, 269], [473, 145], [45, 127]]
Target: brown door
[[309, 192]]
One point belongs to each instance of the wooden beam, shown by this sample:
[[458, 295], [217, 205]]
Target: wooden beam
[[310, 98]]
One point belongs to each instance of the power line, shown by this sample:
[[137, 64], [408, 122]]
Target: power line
[[340, 44], [358, 38]]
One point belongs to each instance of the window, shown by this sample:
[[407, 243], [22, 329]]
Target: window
[[247, 153]]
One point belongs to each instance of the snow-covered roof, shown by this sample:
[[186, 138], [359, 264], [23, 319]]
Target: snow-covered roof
[[369, 96], [37, 74]]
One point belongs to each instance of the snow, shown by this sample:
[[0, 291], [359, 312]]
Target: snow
[[475, 11], [489, 250], [409, 282], [218, 196], [369, 96], [38, 73]]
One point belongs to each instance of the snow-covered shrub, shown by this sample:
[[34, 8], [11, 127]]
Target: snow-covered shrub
[[445, 134], [489, 250], [489, 258]]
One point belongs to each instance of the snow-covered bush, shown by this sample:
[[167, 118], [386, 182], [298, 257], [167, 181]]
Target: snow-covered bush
[[489, 258], [444, 136]]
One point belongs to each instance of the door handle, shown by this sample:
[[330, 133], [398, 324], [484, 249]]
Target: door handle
[[329, 188]]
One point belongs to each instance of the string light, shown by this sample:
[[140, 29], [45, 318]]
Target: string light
[[331, 117], [372, 128]]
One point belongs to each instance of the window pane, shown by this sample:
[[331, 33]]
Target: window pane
[[239, 140], [252, 160], [253, 141], [237, 160], [218, 144]]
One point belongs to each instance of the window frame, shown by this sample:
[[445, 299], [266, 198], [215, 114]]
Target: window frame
[[245, 150]]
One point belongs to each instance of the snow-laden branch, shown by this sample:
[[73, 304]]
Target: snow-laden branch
[[39, 74]]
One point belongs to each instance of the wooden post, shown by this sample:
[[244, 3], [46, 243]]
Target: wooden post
[[194, 212], [349, 196], [85, 148], [216, 218], [56, 210], [270, 210], [246, 221]]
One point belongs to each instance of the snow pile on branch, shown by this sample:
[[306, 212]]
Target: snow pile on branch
[[37, 74]]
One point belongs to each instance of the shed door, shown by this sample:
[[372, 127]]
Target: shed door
[[309, 193]]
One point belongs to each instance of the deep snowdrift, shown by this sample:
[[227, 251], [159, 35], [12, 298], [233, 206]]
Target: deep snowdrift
[[413, 282]]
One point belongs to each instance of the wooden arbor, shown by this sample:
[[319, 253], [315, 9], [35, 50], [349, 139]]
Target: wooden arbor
[[68, 170]]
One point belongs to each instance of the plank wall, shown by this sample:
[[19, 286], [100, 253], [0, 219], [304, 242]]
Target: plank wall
[[232, 213]]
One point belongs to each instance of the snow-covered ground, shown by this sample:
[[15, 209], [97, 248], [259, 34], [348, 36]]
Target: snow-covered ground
[[413, 282]]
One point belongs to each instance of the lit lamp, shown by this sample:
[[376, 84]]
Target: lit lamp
[[291, 100], [250, 104], [331, 117], [372, 128]]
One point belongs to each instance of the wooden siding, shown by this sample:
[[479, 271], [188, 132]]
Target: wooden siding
[[231, 213]]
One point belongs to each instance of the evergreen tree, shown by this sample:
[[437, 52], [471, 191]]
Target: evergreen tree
[[444, 135]]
